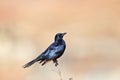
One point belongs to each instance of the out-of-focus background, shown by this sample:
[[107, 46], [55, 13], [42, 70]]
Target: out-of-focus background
[[27, 27]]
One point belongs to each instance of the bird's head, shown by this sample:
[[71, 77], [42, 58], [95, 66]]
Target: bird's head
[[59, 36]]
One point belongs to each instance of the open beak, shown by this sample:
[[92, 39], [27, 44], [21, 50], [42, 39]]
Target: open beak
[[64, 33]]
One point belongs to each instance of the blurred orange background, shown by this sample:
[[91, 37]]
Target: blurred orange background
[[93, 39]]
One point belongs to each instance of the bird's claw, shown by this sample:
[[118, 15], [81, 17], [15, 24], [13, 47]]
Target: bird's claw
[[56, 64]]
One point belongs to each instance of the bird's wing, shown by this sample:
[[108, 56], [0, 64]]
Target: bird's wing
[[55, 51], [44, 54]]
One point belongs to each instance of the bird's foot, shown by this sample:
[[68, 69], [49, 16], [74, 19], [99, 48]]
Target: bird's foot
[[56, 64]]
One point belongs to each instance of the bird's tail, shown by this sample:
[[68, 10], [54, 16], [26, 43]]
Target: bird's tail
[[29, 63]]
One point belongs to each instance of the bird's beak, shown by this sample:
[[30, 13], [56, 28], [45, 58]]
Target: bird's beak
[[64, 33]]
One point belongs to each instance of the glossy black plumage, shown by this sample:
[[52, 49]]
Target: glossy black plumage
[[53, 52]]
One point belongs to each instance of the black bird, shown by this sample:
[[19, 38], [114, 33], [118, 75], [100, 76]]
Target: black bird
[[53, 52]]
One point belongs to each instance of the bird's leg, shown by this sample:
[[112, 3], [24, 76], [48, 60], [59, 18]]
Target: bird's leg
[[56, 62], [44, 62]]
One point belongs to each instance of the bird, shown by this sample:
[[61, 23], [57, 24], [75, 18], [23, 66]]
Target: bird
[[52, 53]]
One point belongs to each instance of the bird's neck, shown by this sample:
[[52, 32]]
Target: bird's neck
[[58, 40]]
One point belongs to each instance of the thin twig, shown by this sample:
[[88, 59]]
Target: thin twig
[[59, 72], [70, 78]]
